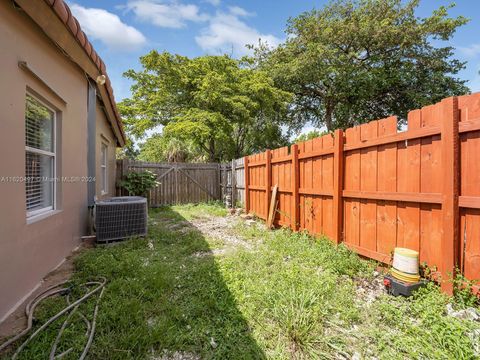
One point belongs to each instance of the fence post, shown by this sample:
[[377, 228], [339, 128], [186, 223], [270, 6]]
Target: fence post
[[221, 174], [338, 186], [268, 185], [176, 183], [247, 198], [451, 176], [295, 188], [233, 173], [219, 183]]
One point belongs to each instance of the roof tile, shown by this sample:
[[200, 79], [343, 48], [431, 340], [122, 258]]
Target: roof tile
[[88, 48], [64, 13], [94, 56], [61, 10], [82, 39], [103, 68], [72, 22]]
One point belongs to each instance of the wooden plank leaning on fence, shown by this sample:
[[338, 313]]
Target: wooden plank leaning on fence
[[273, 207]]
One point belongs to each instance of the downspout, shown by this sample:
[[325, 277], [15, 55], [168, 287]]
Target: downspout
[[91, 145]]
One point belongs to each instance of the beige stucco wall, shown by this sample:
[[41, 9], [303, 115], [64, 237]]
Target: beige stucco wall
[[104, 135], [28, 251]]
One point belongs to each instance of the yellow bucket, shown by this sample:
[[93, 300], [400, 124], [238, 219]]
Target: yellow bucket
[[405, 265], [404, 277]]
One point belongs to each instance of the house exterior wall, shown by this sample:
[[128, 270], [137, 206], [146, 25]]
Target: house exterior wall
[[104, 135], [29, 249]]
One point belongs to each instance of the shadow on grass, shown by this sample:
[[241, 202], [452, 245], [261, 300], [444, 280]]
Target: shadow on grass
[[165, 298]]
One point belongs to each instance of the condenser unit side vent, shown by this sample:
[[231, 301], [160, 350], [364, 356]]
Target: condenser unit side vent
[[120, 218]]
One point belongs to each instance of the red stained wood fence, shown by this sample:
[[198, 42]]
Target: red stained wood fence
[[374, 188]]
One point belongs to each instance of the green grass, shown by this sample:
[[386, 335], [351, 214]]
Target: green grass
[[285, 296]]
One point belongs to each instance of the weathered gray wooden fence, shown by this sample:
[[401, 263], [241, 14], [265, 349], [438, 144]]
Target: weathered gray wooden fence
[[233, 181], [182, 183]]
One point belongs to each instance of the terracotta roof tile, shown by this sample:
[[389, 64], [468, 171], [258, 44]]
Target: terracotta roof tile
[[103, 68], [64, 13], [61, 10], [94, 56], [88, 47], [72, 25], [82, 39]]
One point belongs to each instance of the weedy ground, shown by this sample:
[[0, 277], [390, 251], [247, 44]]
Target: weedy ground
[[204, 285]]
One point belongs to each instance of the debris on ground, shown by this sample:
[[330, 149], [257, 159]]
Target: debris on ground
[[177, 355], [250, 222], [469, 313], [246, 216], [220, 228], [369, 290], [213, 344]]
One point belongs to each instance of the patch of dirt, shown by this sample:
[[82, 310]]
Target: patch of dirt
[[17, 321], [221, 228]]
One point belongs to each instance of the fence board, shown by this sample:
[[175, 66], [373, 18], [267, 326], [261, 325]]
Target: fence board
[[396, 189], [469, 109], [180, 183]]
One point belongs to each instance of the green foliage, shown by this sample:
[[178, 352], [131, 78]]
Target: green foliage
[[418, 328], [463, 291], [162, 148], [224, 109], [358, 60], [309, 136], [138, 183], [128, 151], [257, 293]]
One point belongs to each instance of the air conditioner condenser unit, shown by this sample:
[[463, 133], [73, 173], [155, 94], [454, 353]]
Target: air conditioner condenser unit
[[120, 218]]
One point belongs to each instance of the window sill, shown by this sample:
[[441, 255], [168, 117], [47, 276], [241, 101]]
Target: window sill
[[44, 215]]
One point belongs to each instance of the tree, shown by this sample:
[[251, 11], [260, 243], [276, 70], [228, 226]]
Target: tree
[[224, 109], [161, 148], [309, 136], [359, 60], [128, 151]]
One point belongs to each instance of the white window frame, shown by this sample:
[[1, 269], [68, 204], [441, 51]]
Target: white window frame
[[104, 168], [53, 156]]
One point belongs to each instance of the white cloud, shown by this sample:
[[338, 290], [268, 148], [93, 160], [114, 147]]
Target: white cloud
[[106, 27], [226, 32], [470, 51], [213, 2], [238, 11], [166, 14]]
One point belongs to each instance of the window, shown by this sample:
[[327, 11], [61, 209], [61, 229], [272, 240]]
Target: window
[[103, 168], [39, 157]]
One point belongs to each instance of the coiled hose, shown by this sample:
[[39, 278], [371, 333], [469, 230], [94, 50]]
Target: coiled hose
[[72, 308]]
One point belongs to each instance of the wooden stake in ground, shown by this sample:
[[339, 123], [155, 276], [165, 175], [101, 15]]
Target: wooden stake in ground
[[273, 207]]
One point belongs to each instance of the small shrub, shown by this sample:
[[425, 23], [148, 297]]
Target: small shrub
[[138, 183], [463, 291]]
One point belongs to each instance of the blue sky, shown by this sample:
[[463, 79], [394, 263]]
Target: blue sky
[[122, 30]]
